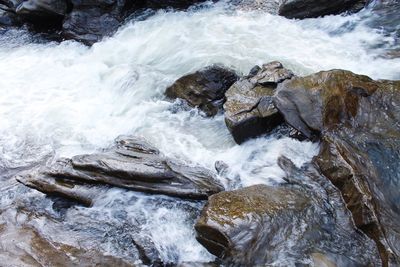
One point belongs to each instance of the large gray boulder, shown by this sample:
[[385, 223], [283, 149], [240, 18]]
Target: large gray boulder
[[249, 111], [132, 164]]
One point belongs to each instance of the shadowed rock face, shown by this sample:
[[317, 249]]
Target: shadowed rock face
[[249, 111], [357, 119], [204, 89], [90, 20], [132, 164], [87, 21], [301, 222], [42, 8], [315, 8]]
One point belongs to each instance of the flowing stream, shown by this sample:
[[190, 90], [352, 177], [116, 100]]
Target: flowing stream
[[63, 99]]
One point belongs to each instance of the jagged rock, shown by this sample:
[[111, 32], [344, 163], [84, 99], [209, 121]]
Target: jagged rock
[[296, 223], [358, 121], [204, 89], [249, 111], [315, 8], [132, 164]]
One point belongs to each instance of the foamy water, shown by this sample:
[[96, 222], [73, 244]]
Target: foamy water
[[66, 99]]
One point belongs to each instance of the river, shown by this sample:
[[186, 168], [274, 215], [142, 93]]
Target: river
[[63, 99]]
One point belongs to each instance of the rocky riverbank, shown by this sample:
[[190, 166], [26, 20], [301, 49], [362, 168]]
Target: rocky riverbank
[[219, 166], [343, 206], [89, 21], [355, 118]]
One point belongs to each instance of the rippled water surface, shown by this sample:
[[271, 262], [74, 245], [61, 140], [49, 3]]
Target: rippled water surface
[[65, 99]]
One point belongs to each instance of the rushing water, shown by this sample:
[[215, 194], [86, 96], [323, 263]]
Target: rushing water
[[66, 99]]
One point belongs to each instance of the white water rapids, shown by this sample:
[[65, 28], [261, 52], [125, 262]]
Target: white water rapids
[[67, 99]]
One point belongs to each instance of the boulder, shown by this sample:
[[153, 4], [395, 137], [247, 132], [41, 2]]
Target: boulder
[[8, 19], [132, 164], [177, 4], [204, 89], [293, 224], [358, 121], [249, 111], [89, 20], [301, 9]]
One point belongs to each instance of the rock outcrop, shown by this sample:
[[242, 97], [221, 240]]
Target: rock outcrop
[[89, 21], [86, 21], [358, 121], [315, 8], [249, 111], [297, 223], [132, 164], [204, 89]]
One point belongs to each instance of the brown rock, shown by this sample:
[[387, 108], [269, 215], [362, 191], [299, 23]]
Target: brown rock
[[358, 120], [302, 221], [204, 89]]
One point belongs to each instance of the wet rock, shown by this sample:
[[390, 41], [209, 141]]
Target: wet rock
[[296, 223], [33, 249], [81, 193], [177, 4], [270, 6], [9, 19], [204, 89], [90, 20], [358, 121], [315, 8], [33, 9], [87, 21], [132, 164], [249, 111]]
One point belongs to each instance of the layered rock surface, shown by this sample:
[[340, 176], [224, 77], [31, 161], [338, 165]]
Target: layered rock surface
[[132, 164], [301, 222], [204, 89], [358, 121], [249, 111]]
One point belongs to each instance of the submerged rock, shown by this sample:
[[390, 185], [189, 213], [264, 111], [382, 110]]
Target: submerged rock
[[204, 89], [358, 121], [297, 223], [249, 111], [132, 164], [315, 8], [118, 231]]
